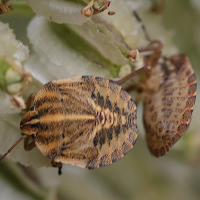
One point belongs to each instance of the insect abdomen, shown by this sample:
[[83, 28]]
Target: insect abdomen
[[167, 111]]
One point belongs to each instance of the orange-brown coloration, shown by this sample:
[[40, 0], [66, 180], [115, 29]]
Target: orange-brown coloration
[[84, 121], [168, 102]]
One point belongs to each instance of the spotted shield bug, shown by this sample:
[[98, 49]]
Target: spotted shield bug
[[169, 94], [169, 103], [85, 121]]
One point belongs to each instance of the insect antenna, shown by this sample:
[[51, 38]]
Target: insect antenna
[[16, 143], [154, 45], [142, 26]]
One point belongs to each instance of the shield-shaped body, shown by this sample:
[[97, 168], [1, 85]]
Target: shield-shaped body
[[84, 121]]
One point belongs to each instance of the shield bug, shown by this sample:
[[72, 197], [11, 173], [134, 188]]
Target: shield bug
[[169, 94], [85, 121]]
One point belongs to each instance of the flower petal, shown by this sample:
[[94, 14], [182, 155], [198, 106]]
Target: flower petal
[[59, 11]]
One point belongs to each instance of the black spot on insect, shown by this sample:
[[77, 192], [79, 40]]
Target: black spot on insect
[[65, 144], [94, 97], [108, 104], [123, 112], [100, 100], [43, 127], [116, 109], [109, 133], [117, 130], [102, 137], [95, 140], [100, 117], [36, 125], [34, 117]]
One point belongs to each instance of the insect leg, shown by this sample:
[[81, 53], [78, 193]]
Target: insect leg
[[28, 146], [132, 74], [59, 165], [154, 45], [152, 59], [29, 101], [139, 97]]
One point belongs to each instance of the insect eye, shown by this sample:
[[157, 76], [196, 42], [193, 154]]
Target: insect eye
[[32, 108]]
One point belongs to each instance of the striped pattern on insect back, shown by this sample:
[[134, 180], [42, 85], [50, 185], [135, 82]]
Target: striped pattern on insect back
[[168, 110], [102, 123], [29, 123], [48, 103]]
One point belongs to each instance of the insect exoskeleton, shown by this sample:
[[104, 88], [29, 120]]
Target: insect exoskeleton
[[169, 94], [84, 121]]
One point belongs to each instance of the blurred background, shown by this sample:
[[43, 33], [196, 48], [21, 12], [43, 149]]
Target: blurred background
[[139, 175]]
